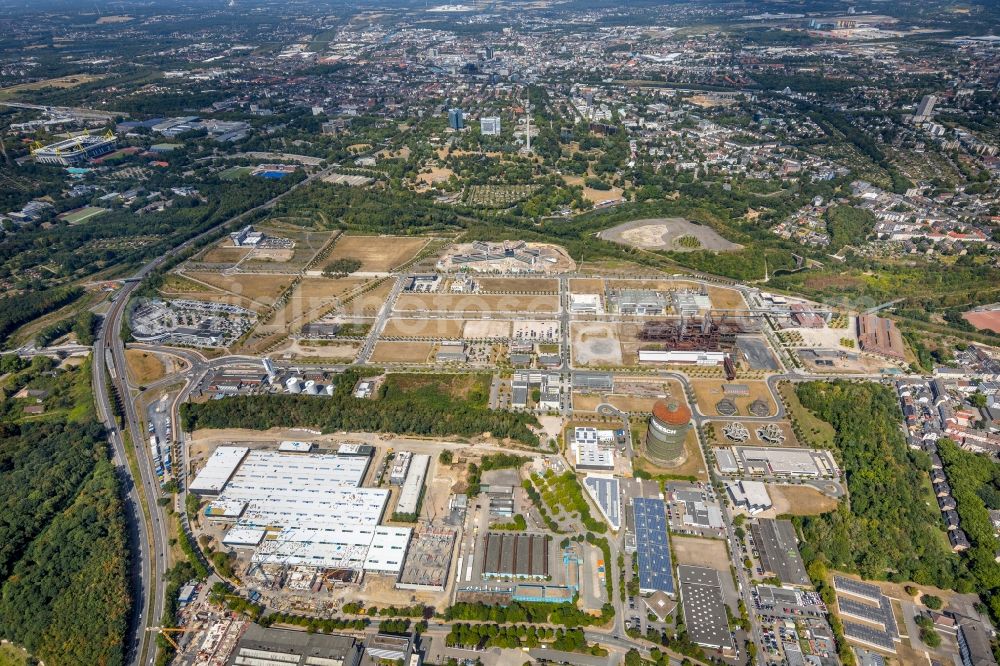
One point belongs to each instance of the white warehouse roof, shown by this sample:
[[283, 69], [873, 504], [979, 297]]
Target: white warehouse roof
[[218, 470]]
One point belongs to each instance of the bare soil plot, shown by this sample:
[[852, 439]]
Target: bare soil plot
[[984, 319], [435, 175], [486, 328], [799, 500], [377, 253], [483, 303], [709, 391], [399, 327], [388, 351], [700, 552], [666, 284], [586, 285], [260, 288], [671, 233], [144, 367], [518, 285], [626, 403], [724, 298], [312, 298], [595, 343], [367, 303], [332, 351], [595, 196], [225, 255]]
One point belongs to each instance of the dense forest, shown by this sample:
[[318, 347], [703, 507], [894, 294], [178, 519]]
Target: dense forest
[[887, 529], [975, 485], [16, 311], [63, 553], [429, 409]]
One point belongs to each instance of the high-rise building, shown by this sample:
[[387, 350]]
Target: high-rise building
[[489, 126], [926, 108], [455, 119]]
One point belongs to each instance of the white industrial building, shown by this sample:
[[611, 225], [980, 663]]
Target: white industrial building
[[585, 303], [681, 357], [409, 494], [303, 510], [749, 495], [400, 467], [589, 456], [218, 470]]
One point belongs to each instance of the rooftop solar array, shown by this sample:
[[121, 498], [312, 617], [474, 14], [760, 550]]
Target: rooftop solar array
[[869, 636], [652, 545], [857, 588], [862, 611]]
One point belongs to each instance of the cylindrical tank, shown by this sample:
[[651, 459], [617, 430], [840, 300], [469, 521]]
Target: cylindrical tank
[[311, 388], [668, 426], [293, 385]]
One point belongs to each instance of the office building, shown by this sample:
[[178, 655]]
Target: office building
[[489, 126], [456, 120]]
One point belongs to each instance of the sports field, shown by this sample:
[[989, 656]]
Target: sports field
[[83, 214]]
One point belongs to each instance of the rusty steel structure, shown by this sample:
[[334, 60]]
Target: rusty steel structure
[[687, 334]]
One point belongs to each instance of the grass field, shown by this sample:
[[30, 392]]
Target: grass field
[[71, 81], [83, 214], [473, 387], [388, 351], [177, 284], [815, 431], [12, 656], [232, 173], [485, 303], [377, 253], [144, 367]]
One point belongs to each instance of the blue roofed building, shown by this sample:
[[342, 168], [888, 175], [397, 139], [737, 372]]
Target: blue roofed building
[[652, 546]]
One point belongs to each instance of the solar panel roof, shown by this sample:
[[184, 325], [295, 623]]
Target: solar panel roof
[[652, 545]]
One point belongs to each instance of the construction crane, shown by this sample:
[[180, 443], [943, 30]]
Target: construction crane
[[166, 631]]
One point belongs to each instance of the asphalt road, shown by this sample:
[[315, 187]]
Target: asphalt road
[[148, 535]]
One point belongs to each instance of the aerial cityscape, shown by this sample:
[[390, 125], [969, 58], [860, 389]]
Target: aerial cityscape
[[499, 333]]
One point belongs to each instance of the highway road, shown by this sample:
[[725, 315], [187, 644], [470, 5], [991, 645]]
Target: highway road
[[146, 520]]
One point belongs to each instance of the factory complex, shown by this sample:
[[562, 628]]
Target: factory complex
[[309, 510]]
